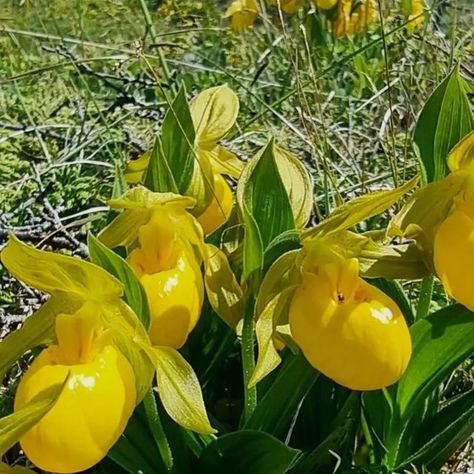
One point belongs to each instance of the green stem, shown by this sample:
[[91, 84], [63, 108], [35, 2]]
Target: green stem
[[248, 357], [157, 430], [426, 292], [151, 29]]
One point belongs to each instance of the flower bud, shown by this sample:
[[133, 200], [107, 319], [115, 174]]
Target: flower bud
[[453, 252], [242, 13], [348, 329], [220, 208], [94, 407], [170, 275], [325, 4]]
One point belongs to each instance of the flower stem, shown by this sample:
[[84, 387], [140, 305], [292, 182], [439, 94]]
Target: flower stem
[[157, 430], [248, 357], [151, 30], [426, 291]]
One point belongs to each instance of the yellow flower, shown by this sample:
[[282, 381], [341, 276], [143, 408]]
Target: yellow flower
[[242, 13], [454, 252], [220, 208], [170, 275], [348, 329], [414, 10], [325, 4], [94, 407], [288, 6], [352, 19]]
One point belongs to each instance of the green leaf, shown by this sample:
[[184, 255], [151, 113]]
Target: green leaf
[[445, 119], [265, 196], [289, 240], [278, 406], [180, 391], [265, 206], [444, 433], [177, 137], [158, 177], [14, 426], [246, 452], [135, 451], [441, 342], [134, 293], [328, 454]]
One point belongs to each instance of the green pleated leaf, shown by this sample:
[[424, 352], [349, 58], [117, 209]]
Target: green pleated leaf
[[14, 426], [445, 119], [159, 177], [443, 434], [265, 206], [441, 342], [177, 137], [134, 293], [136, 451], [277, 408], [252, 452]]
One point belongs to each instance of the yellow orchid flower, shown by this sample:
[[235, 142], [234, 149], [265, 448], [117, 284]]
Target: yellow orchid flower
[[414, 10], [353, 17], [324, 276], [167, 248], [242, 14], [440, 218], [220, 208], [348, 329], [213, 113], [94, 407], [453, 251], [288, 6], [170, 275]]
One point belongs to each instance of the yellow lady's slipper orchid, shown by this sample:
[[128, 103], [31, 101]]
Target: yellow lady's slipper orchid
[[454, 252], [352, 19], [288, 6], [170, 275], [220, 208], [325, 4], [348, 329], [242, 13], [94, 407]]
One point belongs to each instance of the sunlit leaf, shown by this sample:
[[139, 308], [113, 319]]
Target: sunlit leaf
[[298, 185], [177, 142], [159, 177], [441, 342], [445, 119], [214, 112], [14, 426], [134, 293], [179, 390]]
